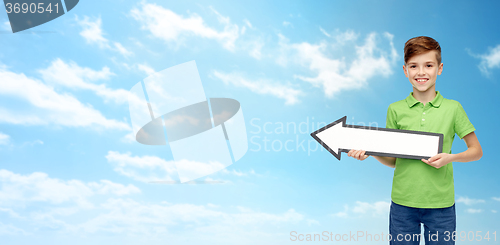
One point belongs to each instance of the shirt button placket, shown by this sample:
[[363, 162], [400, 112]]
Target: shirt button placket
[[422, 123]]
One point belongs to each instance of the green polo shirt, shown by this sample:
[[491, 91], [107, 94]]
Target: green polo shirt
[[415, 183]]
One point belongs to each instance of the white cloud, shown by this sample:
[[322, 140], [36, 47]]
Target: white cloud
[[342, 214], [261, 86], [122, 50], [46, 106], [18, 190], [155, 169], [11, 230], [190, 170], [468, 201], [348, 36], [32, 143], [493, 211], [238, 173], [172, 27], [142, 168], [128, 138], [496, 198], [211, 205], [146, 69], [255, 49], [311, 222], [136, 42], [473, 211], [6, 26], [73, 76], [4, 139], [130, 217], [379, 208], [287, 24], [324, 32], [175, 28], [36, 202], [92, 31], [106, 187], [489, 60], [10, 212], [335, 74], [247, 22], [93, 34]]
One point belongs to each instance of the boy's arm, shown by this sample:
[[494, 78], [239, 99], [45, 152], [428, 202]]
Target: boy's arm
[[387, 161], [474, 152]]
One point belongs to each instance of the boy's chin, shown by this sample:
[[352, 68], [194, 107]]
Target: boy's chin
[[421, 88]]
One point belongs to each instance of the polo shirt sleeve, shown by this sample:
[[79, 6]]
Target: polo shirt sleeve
[[390, 121], [462, 124]]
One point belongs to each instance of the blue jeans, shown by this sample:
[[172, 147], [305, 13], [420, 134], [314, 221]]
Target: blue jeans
[[439, 225]]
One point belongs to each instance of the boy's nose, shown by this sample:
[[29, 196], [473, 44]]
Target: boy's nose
[[421, 71]]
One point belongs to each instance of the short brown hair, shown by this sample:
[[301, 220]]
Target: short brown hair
[[420, 45]]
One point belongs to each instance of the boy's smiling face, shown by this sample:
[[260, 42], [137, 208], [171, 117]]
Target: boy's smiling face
[[422, 70]]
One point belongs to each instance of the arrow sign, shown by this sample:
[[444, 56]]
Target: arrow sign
[[338, 137]]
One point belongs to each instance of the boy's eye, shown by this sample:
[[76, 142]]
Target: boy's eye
[[429, 65], [412, 66]]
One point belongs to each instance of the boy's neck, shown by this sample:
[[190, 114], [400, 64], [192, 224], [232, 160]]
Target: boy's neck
[[425, 96]]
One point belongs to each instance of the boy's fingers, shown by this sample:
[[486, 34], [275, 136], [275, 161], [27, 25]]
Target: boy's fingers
[[361, 155], [358, 154], [364, 156], [434, 158], [427, 161], [354, 154], [349, 154]]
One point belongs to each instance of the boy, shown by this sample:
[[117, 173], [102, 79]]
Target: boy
[[423, 190]]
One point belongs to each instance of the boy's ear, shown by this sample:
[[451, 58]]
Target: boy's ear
[[406, 71], [440, 68]]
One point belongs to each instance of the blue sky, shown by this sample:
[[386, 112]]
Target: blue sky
[[71, 172]]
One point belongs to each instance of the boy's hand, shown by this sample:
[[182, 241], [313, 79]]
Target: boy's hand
[[439, 160], [358, 154]]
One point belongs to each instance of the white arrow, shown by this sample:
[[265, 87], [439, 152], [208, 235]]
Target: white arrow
[[338, 137]]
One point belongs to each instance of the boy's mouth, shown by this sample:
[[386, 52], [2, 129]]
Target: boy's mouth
[[421, 80]]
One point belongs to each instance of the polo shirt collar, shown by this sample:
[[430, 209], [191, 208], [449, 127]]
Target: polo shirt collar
[[436, 102]]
